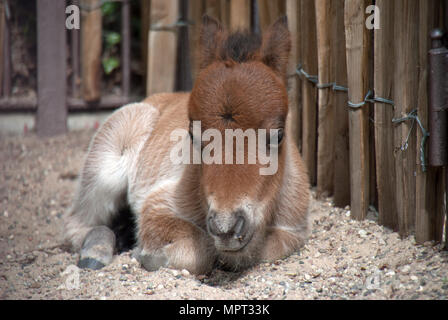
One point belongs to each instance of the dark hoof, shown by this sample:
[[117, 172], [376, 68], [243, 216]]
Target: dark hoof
[[152, 261], [90, 263], [98, 248]]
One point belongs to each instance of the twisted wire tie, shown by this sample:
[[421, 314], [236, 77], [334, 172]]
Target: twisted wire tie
[[425, 134]]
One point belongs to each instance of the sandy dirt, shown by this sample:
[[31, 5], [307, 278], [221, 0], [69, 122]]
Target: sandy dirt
[[343, 259]]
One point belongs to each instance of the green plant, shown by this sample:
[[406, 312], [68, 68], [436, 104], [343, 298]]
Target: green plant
[[111, 38]]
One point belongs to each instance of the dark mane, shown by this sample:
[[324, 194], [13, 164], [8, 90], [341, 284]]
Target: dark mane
[[240, 46]]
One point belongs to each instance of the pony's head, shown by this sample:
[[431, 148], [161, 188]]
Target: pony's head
[[241, 85]]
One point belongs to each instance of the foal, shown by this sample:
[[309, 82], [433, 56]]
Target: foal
[[197, 216]]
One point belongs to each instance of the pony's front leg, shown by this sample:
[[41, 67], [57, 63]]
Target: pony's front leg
[[281, 242], [169, 241]]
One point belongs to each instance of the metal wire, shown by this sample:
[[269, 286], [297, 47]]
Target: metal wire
[[370, 97], [415, 119]]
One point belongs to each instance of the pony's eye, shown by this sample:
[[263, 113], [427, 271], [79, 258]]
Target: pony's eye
[[280, 134], [190, 131]]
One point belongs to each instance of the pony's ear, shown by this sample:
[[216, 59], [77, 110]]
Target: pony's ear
[[210, 36], [276, 46]]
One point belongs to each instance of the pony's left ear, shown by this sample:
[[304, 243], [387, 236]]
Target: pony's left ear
[[276, 46]]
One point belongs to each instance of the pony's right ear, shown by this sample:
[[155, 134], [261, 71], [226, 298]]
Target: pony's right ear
[[210, 36]]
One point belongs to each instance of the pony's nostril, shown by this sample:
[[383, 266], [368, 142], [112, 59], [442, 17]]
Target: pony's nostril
[[239, 225], [212, 226]]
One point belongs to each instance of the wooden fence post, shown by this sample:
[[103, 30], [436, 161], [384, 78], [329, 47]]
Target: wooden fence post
[[125, 47], [295, 117], [145, 16], [51, 117], [309, 106], [325, 126], [6, 56], [426, 202], [270, 10], [195, 12], [2, 32], [91, 45], [239, 14], [162, 46], [357, 43], [341, 190], [405, 98], [183, 66], [384, 135]]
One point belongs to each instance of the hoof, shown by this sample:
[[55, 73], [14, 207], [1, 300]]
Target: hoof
[[98, 248], [90, 263], [152, 261]]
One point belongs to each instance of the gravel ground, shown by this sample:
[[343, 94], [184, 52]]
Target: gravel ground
[[343, 259]]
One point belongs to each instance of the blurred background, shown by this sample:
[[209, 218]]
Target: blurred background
[[366, 81], [118, 51]]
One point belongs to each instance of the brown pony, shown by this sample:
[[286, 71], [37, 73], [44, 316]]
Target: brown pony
[[197, 216]]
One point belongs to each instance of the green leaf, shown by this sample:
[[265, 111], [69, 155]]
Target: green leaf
[[112, 38], [108, 8], [110, 64]]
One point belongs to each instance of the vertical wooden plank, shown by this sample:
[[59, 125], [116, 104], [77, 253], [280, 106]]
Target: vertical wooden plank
[[51, 117], [239, 14], [405, 98], [325, 126], [2, 31], [426, 202], [446, 208], [183, 67], [6, 72], [162, 47], [384, 113], [195, 11], [145, 16], [439, 219], [125, 47], [213, 8], [270, 10], [295, 114], [76, 79], [91, 31], [341, 192], [225, 12], [309, 94], [357, 43]]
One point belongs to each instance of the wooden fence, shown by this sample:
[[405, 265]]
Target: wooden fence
[[358, 88]]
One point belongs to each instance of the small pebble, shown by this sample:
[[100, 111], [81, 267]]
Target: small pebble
[[406, 269], [362, 233], [185, 272]]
